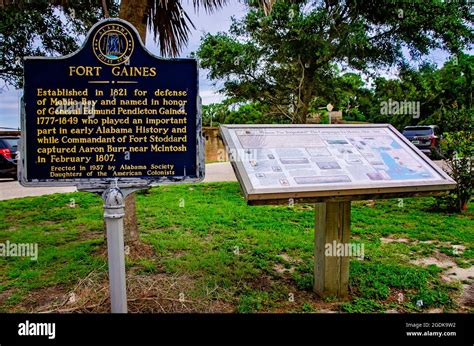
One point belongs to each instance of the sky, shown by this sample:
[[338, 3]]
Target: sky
[[219, 21]]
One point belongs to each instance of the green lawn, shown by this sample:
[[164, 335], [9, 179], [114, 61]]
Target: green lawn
[[233, 256]]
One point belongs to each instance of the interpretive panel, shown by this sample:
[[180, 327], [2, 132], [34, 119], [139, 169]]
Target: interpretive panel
[[331, 160], [112, 110]]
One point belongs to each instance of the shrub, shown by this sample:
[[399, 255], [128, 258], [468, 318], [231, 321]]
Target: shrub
[[458, 151]]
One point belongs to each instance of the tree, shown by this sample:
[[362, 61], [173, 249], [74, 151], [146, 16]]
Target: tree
[[284, 60], [444, 95], [36, 28]]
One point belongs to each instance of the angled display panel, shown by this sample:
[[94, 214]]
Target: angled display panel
[[277, 162]]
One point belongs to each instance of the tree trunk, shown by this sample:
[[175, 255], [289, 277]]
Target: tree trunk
[[307, 93], [134, 12], [130, 226]]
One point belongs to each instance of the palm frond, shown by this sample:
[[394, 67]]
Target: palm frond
[[171, 24], [209, 5], [266, 5]]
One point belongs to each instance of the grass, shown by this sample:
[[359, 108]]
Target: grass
[[253, 258]]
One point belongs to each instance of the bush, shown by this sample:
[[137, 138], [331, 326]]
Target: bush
[[458, 151]]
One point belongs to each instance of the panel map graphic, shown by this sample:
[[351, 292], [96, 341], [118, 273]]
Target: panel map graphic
[[289, 157]]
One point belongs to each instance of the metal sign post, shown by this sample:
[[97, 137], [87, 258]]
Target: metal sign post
[[113, 215], [111, 119]]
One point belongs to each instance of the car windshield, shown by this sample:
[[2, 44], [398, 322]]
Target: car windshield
[[11, 142], [418, 131]]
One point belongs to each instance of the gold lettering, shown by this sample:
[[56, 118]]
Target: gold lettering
[[88, 71]]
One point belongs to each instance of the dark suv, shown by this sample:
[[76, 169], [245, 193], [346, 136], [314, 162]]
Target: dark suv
[[426, 138], [8, 149]]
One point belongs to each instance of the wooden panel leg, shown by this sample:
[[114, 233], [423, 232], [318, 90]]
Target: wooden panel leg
[[332, 227]]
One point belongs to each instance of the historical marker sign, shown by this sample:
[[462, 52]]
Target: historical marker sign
[[275, 162], [112, 110]]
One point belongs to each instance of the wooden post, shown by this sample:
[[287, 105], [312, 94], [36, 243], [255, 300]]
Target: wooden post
[[332, 227]]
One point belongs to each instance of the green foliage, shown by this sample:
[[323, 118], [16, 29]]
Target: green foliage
[[444, 95], [382, 276], [374, 283], [362, 305], [42, 27], [228, 112], [430, 298], [458, 149], [288, 60], [453, 119], [68, 240], [252, 301]]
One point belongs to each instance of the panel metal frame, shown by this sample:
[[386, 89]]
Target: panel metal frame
[[330, 192], [103, 183]]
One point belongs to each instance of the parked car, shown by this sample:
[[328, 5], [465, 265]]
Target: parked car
[[426, 138], [8, 162]]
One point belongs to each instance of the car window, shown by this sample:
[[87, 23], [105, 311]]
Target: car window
[[418, 131], [10, 142]]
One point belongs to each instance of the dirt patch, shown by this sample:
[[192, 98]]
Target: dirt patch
[[452, 271], [435, 311], [327, 311], [6, 294], [280, 269], [289, 259], [461, 274], [467, 298], [395, 240], [139, 250], [308, 299], [135, 251], [158, 293], [40, 299], [439, 260]]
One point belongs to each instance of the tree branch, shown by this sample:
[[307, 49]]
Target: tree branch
[[105, 9]]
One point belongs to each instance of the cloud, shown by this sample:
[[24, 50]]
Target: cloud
[[210, 96], [9, 109]]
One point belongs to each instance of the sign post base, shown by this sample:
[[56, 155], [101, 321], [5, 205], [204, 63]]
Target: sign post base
[[113, 215], [332, 227]]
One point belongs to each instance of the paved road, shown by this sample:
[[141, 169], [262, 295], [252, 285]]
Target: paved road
[[12, 189]]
